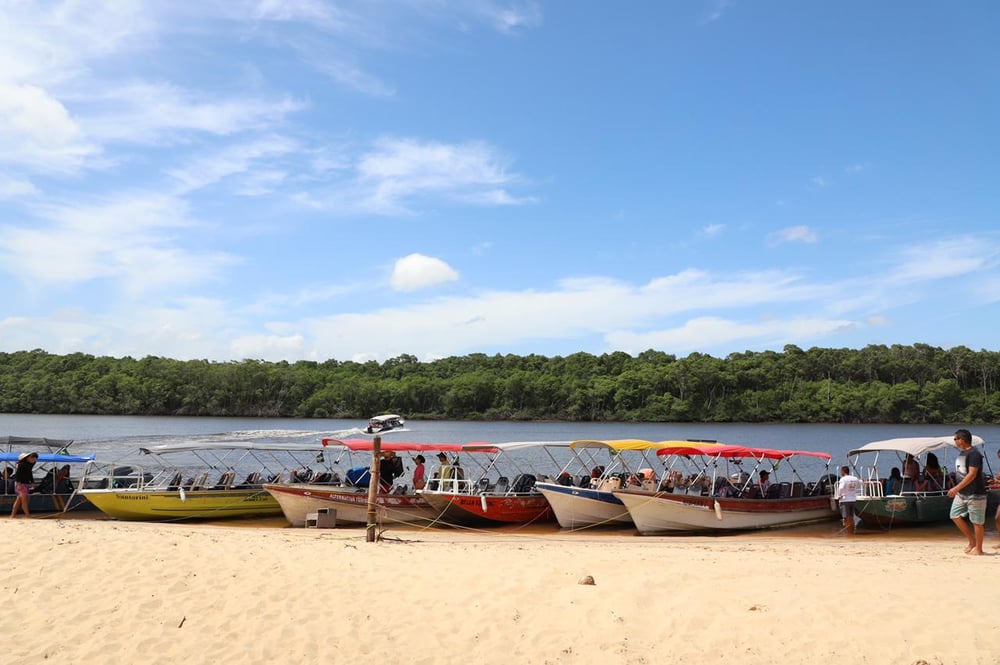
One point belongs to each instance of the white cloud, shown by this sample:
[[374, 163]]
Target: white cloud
[[946, 258], [793, 234], [15, 187], [37, 132], [703, 332], [153, 113], [394, 175], [416, 271], [820, 181], [209, 168], [121, 239], [713, 230]]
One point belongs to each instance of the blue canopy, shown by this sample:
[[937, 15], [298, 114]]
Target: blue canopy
[[49, 457]]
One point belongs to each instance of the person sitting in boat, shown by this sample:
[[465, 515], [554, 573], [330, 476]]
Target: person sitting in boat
[[764, 482], [7, 478], [894, 484], [911, 469], [922, 483], [390, 467], [565, 479], [63, 484], [933, 473]]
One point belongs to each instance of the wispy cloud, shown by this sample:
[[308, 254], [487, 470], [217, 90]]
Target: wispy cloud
[[796, 234], [713, 230], [209, 168], [717, 8], [124, 240], [394, 175], [943, 259]]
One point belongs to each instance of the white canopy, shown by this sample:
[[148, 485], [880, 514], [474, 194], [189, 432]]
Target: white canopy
[[916, 446]]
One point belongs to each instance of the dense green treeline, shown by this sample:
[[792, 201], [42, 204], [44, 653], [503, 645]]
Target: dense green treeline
[[876, 384]]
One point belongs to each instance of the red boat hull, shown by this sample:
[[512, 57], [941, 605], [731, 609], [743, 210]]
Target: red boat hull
[[486, 510]]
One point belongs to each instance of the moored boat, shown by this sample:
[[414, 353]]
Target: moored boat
[[923, 499], [55, 482], [199, 480], [400, 504], [588, 500], [488, 496], [718, 500]]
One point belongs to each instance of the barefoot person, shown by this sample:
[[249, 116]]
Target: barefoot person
[[969, 493], [847, 494], [23, 480]]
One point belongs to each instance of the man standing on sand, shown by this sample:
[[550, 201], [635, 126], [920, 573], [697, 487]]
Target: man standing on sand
[[969, 492], [847, 492]]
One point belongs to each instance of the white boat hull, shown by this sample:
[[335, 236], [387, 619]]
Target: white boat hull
[[577, 507], [663, 513], [298, 500]]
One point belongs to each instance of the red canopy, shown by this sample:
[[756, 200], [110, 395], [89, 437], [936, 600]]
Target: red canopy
[[738, 451], [405, 446]]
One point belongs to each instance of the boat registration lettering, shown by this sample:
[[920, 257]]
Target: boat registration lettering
[[895, 505]]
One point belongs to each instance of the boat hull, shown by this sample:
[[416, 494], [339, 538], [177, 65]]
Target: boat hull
[[48, 503], [665, 513], [130, 504], [298, 500], [489, 510], [887, 512], [579, 507]]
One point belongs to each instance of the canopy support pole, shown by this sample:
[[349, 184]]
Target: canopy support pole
[[373, 482]]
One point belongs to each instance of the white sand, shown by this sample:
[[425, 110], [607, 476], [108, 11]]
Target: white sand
[[79, 591]]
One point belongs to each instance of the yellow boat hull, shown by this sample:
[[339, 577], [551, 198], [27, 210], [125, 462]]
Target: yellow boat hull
[[130, 504]]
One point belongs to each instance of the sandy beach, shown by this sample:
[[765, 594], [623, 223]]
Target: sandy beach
[[101, 591]]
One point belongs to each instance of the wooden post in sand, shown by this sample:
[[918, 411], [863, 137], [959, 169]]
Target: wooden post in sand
[[373, 487]]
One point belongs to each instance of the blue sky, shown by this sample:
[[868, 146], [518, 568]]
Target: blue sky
[[311, 179]]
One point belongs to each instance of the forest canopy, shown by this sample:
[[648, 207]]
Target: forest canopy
[[876, 384]]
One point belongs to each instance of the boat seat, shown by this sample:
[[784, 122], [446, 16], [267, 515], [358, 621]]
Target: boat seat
[[503, 484], [483, 485], [773, 492], [225, 481], [798, 488], [583, 481], [523, 483], [611, 484], [175, 482]]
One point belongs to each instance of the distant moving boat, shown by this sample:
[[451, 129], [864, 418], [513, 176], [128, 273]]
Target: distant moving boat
[[200, 480], [55, 479], [588, 499], [915, 501], [384, 423], [401, 505], [480, 498], [724, 497]]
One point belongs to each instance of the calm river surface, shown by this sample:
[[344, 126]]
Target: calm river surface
[[118, 436]]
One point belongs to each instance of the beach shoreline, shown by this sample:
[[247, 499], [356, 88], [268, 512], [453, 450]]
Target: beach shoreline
[[105, 591]]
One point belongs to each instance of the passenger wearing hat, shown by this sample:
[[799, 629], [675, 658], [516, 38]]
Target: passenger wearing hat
[[23, 482], [390, 467], [418, 472]]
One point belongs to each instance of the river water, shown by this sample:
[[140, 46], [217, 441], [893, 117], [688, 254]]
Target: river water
[[117, 436]]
